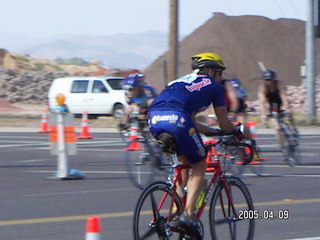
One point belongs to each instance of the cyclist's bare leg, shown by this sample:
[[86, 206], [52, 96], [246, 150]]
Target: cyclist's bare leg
[[180, 188], [194, 183]]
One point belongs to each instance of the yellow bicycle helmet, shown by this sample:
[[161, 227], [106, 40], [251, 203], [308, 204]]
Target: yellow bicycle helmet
[[207, 60]]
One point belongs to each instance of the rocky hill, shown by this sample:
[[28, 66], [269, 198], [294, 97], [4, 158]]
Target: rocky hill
[[24, 79]]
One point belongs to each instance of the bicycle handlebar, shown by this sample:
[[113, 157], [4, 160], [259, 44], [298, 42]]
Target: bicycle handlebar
[[229, 141]]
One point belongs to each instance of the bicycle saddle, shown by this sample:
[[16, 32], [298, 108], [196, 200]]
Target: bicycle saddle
[[166, 141]]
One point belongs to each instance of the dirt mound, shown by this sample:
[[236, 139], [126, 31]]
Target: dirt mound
[[243, 41]]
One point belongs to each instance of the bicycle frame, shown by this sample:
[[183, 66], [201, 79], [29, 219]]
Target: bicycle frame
[[218, 175]]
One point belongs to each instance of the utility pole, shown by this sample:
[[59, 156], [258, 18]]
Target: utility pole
[[310, 59], [172, 61]]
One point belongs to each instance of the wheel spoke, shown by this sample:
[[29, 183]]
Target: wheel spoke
[[153, 213], [155, 210]]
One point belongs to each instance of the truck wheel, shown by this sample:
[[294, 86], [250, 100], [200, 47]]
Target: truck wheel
[[118, 111]]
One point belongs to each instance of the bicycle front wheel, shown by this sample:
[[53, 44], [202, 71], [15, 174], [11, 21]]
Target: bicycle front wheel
[[156, 207], [230, 206], [139, 162], [290, 147]]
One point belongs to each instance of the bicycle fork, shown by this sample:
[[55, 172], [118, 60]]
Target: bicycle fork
[[229, 211]]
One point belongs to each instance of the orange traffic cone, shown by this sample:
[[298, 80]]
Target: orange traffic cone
[[133, 145], [84, 127], [252, 127], [93, 228], [44, 126], [210, 155]]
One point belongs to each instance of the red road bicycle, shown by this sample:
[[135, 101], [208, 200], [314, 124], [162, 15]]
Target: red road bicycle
[[227, 197]]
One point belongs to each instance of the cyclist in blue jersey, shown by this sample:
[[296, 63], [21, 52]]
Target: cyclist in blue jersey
[[173, 112], [139, 96]]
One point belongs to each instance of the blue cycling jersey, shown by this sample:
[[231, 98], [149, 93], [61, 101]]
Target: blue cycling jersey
[[191, 94], [151, 91], [142, 100], [171, 112]]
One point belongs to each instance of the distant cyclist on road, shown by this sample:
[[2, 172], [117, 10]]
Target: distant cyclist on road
[[241, 114], [173, 112], [272, 93], [139, 96]]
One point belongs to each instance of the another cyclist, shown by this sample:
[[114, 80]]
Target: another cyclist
[[272, 92], [230, 95], [173, 112], [242, 98], [236, 99], [139, 96]]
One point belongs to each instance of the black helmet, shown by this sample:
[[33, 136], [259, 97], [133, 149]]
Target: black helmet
[[269, 74], [207, 60]]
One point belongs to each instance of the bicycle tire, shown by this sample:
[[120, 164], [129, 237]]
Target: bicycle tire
[[284, 144], [150, 221], [139, 162], [222, 220], [290, 147], [124, 135], [296, 155], [236, 166]]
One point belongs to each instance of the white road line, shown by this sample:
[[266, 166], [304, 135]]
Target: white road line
[[286, 166], [102, 172], [24, 145], [78, 192], [33, 160], [246, 174], [312, 238]]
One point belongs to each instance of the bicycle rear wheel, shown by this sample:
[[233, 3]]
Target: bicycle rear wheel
[[140, 161], [231, 198], [156, 207], [124, 135]]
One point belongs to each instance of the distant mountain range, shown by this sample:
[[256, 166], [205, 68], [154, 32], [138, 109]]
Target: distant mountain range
[[114, 51]]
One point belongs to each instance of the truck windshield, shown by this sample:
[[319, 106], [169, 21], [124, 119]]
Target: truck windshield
[[116, 84]]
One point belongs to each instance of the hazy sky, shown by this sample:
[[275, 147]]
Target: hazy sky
[[48, 18]]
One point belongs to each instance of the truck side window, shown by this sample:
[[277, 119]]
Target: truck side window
[[98, 87], [79, 86]]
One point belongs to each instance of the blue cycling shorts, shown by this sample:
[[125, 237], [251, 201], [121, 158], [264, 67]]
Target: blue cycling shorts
[[179, 125]]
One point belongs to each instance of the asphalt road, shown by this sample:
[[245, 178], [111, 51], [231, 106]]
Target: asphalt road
[[35, 208]]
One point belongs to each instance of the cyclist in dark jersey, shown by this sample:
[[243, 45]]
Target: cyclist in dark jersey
[[173, 112], [272, 93]]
